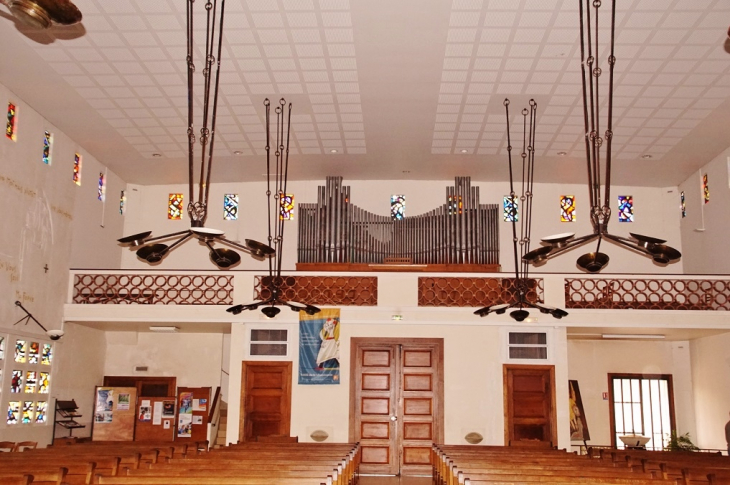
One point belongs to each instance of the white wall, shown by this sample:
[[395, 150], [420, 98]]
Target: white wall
[[711, 375], [655, 212], [705, 251], [590, 362]]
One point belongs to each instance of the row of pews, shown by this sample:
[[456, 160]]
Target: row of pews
[[498, 465], [153, 463]]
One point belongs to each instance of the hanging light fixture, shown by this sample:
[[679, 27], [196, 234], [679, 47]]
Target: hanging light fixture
[[600, 209], [273, 283], [522, 269], [42, 14], [198, 208]]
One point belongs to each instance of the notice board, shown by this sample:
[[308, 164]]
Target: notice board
[[114, 413], [155, 419], [193, 408]]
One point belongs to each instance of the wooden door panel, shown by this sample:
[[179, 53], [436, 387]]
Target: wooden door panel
[[376, 358], [378, 431], [266, 400], [376, 455], [529, 404], [417, 406], [375, 405], [376, 382], [417, 358], [417, 382], [418, 431], [416, 456]]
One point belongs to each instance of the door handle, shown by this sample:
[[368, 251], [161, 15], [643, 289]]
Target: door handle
[[394, 418]]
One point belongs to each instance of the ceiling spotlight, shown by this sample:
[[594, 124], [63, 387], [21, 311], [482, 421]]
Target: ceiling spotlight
[[464, 150], [270, 311], [157, 155], [406, 171], [562, 154], [646, 157], [237, 152], [333, 151]]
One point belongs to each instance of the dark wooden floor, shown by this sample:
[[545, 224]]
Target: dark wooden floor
[[395, 480]]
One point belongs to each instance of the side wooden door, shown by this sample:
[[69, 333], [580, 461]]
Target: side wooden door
[[266, 399], [396, 409], [529, 405]]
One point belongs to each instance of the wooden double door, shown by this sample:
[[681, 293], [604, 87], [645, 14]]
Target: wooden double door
[[396, 405]]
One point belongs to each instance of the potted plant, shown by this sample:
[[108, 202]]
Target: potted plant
[[680, 443]]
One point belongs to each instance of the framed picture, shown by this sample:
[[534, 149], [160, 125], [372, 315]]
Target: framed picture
[[578, 425]]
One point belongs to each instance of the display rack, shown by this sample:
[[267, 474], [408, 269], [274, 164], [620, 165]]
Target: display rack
[[65, 416]]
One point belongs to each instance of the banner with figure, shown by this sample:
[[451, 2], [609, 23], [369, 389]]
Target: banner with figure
[[319, 347]]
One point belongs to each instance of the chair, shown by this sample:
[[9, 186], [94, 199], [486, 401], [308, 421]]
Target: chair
[[25, 445], [7, 446]]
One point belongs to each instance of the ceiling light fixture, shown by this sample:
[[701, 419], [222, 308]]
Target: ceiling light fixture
[[628, 336], [333, 151], [600, 211], [464, 150], [157, 155], [522, 268], [562, 154], [42, 14], [164, 329], [198, 208], [273, 290], [238, 152], [646, 157], [52, 334]]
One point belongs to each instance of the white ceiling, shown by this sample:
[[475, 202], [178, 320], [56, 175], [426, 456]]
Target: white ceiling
[[407, 89]]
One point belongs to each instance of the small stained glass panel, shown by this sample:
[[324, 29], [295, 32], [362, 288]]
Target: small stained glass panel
[[44, 382], [567, 208], [511, 209], [456, 205], [230, 207], [123, 202], [28, 412], [625, 208], [12, 122], [287, 208], [16, 384], [30, 381], [77, 169], [20, 351], [2, 348], [47, 356], [33, 351], [397, 207], [175, 207], [102, 188], [705, 189], [47, 147], [682, 204], [41, 408], [13, 412]]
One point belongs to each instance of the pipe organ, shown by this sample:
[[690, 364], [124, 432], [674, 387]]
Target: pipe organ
[[335, 232]]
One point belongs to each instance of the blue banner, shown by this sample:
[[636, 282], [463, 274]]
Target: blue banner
[[319, 347]]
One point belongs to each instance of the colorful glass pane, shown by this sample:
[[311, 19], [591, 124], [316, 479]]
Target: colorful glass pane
[[567, 208], [77, 169], [47, 143], [13, 411], [47, 356], [44, 382], [122, 202], [397, 207], [27, 412], [100, 192], [2, 348], [511, 205], [287, 208], [33, 351], [12, 120], [16, 383], [705, 189], [625, 208], [20, 351], [30, 382], [456, 204], [230, 207], [41, 408], [175, 207], [682, 204]]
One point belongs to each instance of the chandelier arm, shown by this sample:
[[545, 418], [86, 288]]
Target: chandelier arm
[[178, 242], [572, 245], [596, 108], [209, 32], [236, 245], [523, 190], [191, 135], [609, 128], [585, 107], [278, 223], [628, 243], [530, 184], [267, 105], [286, 177], [166, 236], [511, 189]]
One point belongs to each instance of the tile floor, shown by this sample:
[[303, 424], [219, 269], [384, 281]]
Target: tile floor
[[395, 480]]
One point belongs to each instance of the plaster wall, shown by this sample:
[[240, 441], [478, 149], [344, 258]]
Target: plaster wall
[[655, 214], [590, 362]]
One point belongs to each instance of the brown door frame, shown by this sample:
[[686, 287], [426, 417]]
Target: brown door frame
[[288, 387], [553, 410], [438, 414]]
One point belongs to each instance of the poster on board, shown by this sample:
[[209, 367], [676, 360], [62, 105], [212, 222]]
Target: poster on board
[[578, 425], [319, 347], [185, 426], [103, 412]]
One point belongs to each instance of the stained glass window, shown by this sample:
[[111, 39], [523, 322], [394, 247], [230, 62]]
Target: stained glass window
[[511, 207], [682, 204], [27, 412], [287, 208], [77, 169], [625, 208], [47, 356], [47, 144], [456, 205], [397, 207], [33, 351], [20, 351], [230, 207], [100, 192], [175, 207], [16, 383], [567, 208], [44, 382], [12, 120], [13, 411], [40, 411], [705, 189], [123, 202], [30, 381]]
